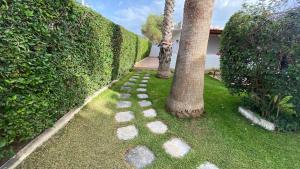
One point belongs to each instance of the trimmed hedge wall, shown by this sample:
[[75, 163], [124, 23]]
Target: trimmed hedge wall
[[52, 55]]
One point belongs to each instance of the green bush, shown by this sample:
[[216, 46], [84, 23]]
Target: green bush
[[260, 58], [52, 55]]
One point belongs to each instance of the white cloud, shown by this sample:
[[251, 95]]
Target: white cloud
[[133, 14], [159, 2]]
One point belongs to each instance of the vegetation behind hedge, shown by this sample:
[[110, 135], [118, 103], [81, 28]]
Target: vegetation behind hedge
[[261, 57], [52, 55]]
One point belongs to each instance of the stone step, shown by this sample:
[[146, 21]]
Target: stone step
[[127, 133], [139, 157]]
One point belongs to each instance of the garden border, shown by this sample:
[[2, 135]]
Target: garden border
[[14, 161], [256, 119]]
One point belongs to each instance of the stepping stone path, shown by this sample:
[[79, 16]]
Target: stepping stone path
[[124, 116], [124, 95], [129, 84], [176, 148], [141, 89], [207, 165], [157, 127], [127, 88], [142, 96], [143, 85], [132, 80], [127, 133], [124, 104], [149, 113], [139, 157], [145, 103]]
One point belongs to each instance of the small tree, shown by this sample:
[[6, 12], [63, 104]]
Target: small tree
[[152, 29]]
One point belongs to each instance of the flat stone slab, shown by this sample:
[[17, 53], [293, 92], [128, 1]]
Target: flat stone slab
[[135, 77], [144, 81], [124, 95], [142, 96], [139, 157], [132, 80], [176, 148], [157, 127], [124, 104], [147, 74], [207, 165], [143, 85], [127, 133], [141, 89], [124, 116], [149, 113], [129, 84], [126, 88], [145, 103], [146, 77]]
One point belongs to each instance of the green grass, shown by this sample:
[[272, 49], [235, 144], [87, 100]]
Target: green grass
[[221, 136]]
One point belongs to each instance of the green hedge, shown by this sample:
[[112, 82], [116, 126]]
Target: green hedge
[[52, 55], [260, 60]]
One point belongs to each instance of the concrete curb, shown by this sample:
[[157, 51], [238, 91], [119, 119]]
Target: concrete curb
[[48, 133], [257, 120]]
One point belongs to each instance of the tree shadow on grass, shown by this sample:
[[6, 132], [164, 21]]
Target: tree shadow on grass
[[116, 42]]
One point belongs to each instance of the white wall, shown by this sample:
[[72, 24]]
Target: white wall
[[212, 59]]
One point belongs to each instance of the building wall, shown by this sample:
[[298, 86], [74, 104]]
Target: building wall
[[212, 59]]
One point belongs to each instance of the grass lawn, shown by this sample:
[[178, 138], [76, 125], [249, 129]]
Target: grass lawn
[[221, 136]]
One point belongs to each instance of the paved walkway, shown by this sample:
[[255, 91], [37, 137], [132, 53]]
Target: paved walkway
[[149, 63]]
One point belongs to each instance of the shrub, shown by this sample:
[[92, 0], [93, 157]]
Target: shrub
[[54, 54], [260, 57]]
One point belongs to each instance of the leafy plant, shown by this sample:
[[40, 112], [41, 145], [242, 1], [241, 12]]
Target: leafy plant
[[260, 58]]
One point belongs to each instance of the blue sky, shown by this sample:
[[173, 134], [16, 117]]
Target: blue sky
[[131, 14]]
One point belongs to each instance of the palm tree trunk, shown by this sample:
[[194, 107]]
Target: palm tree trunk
[[186, 96], [165, 53]]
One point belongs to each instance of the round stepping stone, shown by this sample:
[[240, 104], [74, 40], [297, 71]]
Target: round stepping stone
[[149, 113], [129, 84], [127, 88], [157, 127], [124, 104], [142, 96], [135, 77], [176, 148], [143, 85], [207, 165], [124, 116], [144, 81], [127, 133], [139, 157], [141, 89], [145, 103], [146, 77], [124, 95], [147, 74]]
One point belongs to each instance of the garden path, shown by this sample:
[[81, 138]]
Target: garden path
[[141, 156]]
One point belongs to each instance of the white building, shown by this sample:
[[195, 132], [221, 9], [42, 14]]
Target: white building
[[212, 57]]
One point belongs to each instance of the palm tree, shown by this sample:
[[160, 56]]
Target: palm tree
[[186, 96], [165, 53]]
